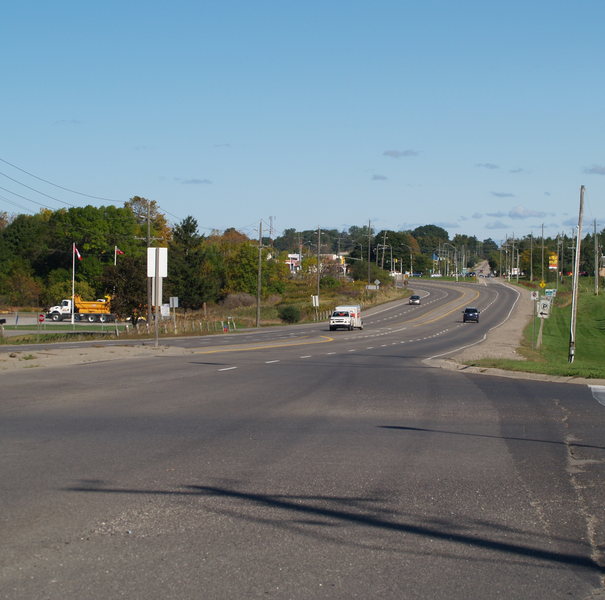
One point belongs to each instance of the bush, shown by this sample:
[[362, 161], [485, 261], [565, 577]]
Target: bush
[[330, 283], [238, 300], [289, 313]]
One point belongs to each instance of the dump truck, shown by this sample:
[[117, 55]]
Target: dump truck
[[91, 311]]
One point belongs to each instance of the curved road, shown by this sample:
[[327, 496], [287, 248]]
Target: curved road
[[301, 463]]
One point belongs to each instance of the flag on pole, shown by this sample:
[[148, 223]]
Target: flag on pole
[[118, 251], [77, 253]]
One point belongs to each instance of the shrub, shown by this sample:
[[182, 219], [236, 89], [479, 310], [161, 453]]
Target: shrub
[[289, 313], [238, 300], [329, 282]]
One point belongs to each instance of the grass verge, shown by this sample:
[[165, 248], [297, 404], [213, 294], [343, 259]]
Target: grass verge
[[552, 357]]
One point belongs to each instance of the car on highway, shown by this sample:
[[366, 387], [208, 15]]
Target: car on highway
[[470, 313], [414, 299]]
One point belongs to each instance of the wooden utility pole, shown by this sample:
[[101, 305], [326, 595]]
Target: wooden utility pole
[[542, 270], [576, 274], [369, 246], [318, 266], [531, 256], [260, 264], [596, 260], [149, 279]]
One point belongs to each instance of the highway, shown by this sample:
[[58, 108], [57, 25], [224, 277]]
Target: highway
[[295, 462]]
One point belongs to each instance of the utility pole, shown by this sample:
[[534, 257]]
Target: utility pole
[[260, 265], [596, 260], [531, 256], [512, 258], [369, 247], [318, 265], [576, 274], [384, 241], [149, 279], [542, 272]]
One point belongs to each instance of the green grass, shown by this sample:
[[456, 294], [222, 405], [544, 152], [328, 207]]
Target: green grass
[[552, 357], [32, 338], [46, 327]]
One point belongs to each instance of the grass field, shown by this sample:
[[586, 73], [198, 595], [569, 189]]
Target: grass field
[[552, 357]]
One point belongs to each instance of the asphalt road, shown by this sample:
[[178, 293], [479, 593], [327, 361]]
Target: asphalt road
[[303, 463]]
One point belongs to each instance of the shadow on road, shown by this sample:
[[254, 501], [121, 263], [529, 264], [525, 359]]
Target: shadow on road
[[354, 510]]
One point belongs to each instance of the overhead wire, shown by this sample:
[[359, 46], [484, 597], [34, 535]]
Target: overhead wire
[[82, 194], [56, 185], [37, 191]]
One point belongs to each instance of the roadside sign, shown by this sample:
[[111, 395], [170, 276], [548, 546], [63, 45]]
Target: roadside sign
[[376, 281], [535, 295], [551, 292], [41, 318], [371, 287], [163, 262], [542, 284], [544, 309]]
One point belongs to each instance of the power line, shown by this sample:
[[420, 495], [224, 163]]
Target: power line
[[58, 186], [37, 191]]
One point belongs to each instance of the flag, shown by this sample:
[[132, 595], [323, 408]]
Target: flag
[[118, 251], [77, 253]]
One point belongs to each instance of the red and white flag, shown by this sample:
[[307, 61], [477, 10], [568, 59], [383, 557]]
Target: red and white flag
[[118, 251], [77, 253]]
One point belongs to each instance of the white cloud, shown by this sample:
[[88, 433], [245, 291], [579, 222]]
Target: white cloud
[[595, 170], [477, 216], [503, 195], [378, 177], [399, 153], [497, 214], [195, 181], [446, 224], [487, 166], [519, 212], [496, 225]]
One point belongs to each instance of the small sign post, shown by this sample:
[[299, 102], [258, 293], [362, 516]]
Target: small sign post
[[535, 296]]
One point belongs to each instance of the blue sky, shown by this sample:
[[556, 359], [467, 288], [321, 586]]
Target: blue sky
[[484, 118]]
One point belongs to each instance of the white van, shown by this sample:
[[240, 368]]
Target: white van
[[347, 317]]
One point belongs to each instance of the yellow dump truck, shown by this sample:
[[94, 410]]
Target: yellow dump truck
[[84, 310]]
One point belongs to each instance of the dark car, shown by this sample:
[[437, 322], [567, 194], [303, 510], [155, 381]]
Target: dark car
[[414, 299], [470, 313]]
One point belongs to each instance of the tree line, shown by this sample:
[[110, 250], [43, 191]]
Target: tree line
[[36, 258], [36, 255]]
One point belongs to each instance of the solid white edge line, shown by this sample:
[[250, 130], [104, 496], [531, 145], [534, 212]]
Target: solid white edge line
[[485, 336], [598, 393], [228, 369]]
